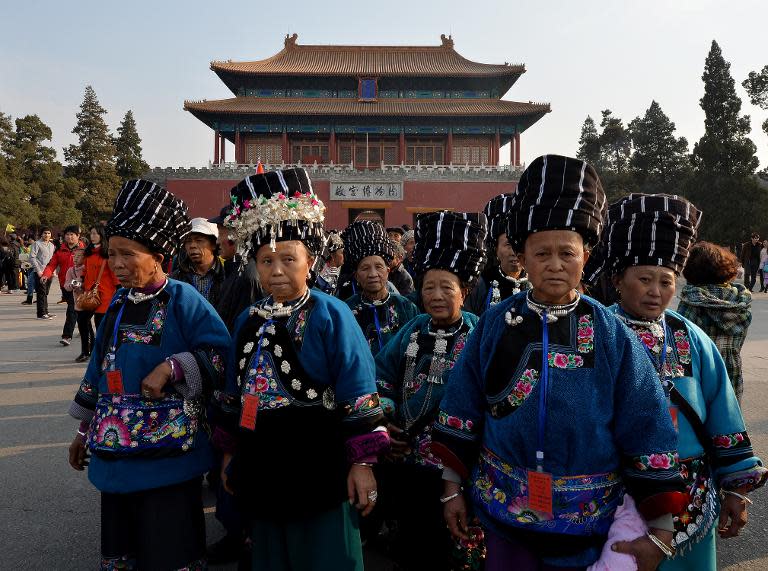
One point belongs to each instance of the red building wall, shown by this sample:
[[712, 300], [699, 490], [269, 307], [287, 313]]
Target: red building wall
[[206, 197]]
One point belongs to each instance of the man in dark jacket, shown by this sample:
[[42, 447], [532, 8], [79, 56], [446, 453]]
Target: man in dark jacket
[[201, 266], [750, 259]]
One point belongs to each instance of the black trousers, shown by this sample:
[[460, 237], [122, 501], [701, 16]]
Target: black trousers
[[42, 289], [160, 529], [85, 328], [750, 274], [11, 277], [71, 319]]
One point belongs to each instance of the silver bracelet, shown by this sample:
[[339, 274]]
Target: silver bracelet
[[740, 496], [366, 464], [665, 549], [447, 499], [81, 433], [173, 368]]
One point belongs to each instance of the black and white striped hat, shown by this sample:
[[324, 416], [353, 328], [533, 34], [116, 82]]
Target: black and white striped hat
[[276, 206], [451, 241], [645, 230], [496, 211], [365, 238], [149, 214], [556, 193]]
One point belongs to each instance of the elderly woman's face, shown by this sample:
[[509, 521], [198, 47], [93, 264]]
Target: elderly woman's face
[[508, 260], [645, 290], [442, 296], [133, 264], [284, 272], [372, 274], [554, 261]]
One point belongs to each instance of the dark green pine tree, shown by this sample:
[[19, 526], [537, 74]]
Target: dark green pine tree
[[589, 143], [615, 144], [725, 149], [129, 162], [756, 85], [92, 160], [660, 161]]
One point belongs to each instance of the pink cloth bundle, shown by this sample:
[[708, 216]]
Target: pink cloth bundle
[[627, 525]]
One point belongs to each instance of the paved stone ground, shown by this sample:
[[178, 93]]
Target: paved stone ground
[[49, 512]]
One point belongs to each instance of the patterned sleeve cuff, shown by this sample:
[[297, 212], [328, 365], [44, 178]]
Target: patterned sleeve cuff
[[224, 441], [449, 460], [81, 413], [191, 384], [658, 505], [365, 408], [367, 447], [750, 479]]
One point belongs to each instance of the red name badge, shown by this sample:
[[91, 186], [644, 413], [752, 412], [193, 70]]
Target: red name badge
[[673, 414], [115, 382], [249, 412], [540, 492]]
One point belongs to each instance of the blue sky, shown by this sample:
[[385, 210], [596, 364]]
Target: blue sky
[[581, 57]]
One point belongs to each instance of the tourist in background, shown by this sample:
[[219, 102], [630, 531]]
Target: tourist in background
[[328, 276], [61, 261], [379, 312], [398, 275], [750, 259], [29, 270], [412, 373], [763, 270], [553, 410], [645, 246], [408, 242], [98, 274], [157, 358], [73, 282], [715, 302], [8, 258], [201, 265], [40, 254]]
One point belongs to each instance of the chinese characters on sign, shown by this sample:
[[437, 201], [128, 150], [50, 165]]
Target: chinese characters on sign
[[366, 191]]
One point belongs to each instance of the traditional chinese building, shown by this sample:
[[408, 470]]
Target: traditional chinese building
[[396, 129]]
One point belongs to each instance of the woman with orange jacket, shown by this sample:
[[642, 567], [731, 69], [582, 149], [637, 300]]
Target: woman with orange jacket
[[96, 270]]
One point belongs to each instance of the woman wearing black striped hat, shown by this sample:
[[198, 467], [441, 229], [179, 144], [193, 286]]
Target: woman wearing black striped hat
[[644, 247], [554, 410], [412, 373], [379, 312]]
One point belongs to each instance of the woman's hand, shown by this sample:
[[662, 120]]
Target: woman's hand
[[646, 553], [361, 486], [78, 458], [398, 449], [226, 458], [735, 510], [455, 511], [153, 384]]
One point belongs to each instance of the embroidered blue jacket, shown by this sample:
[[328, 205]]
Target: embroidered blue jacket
[[607, 424], [696, 369], [178, 320], [314, 377], [408, 397], [392, 316]]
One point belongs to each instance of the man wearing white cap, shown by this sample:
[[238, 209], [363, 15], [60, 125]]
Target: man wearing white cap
[[201, 266]]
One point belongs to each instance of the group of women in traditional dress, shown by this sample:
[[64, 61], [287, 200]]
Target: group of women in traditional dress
[[551, 433]]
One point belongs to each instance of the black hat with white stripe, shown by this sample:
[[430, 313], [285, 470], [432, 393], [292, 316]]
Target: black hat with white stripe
[[645, 230], [365, 238], [496, 211], [147, 213], [556, 193], [276, 206], [451, 241]]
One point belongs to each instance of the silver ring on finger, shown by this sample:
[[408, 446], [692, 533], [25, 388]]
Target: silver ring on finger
[[373, 495]]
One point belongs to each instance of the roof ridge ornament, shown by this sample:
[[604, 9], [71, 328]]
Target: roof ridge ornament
[[290, 40], [447, 41]]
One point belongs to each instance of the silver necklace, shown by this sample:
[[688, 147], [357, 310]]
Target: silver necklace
[[138, 297], [375, 302], [553, 311], [276, 310]]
